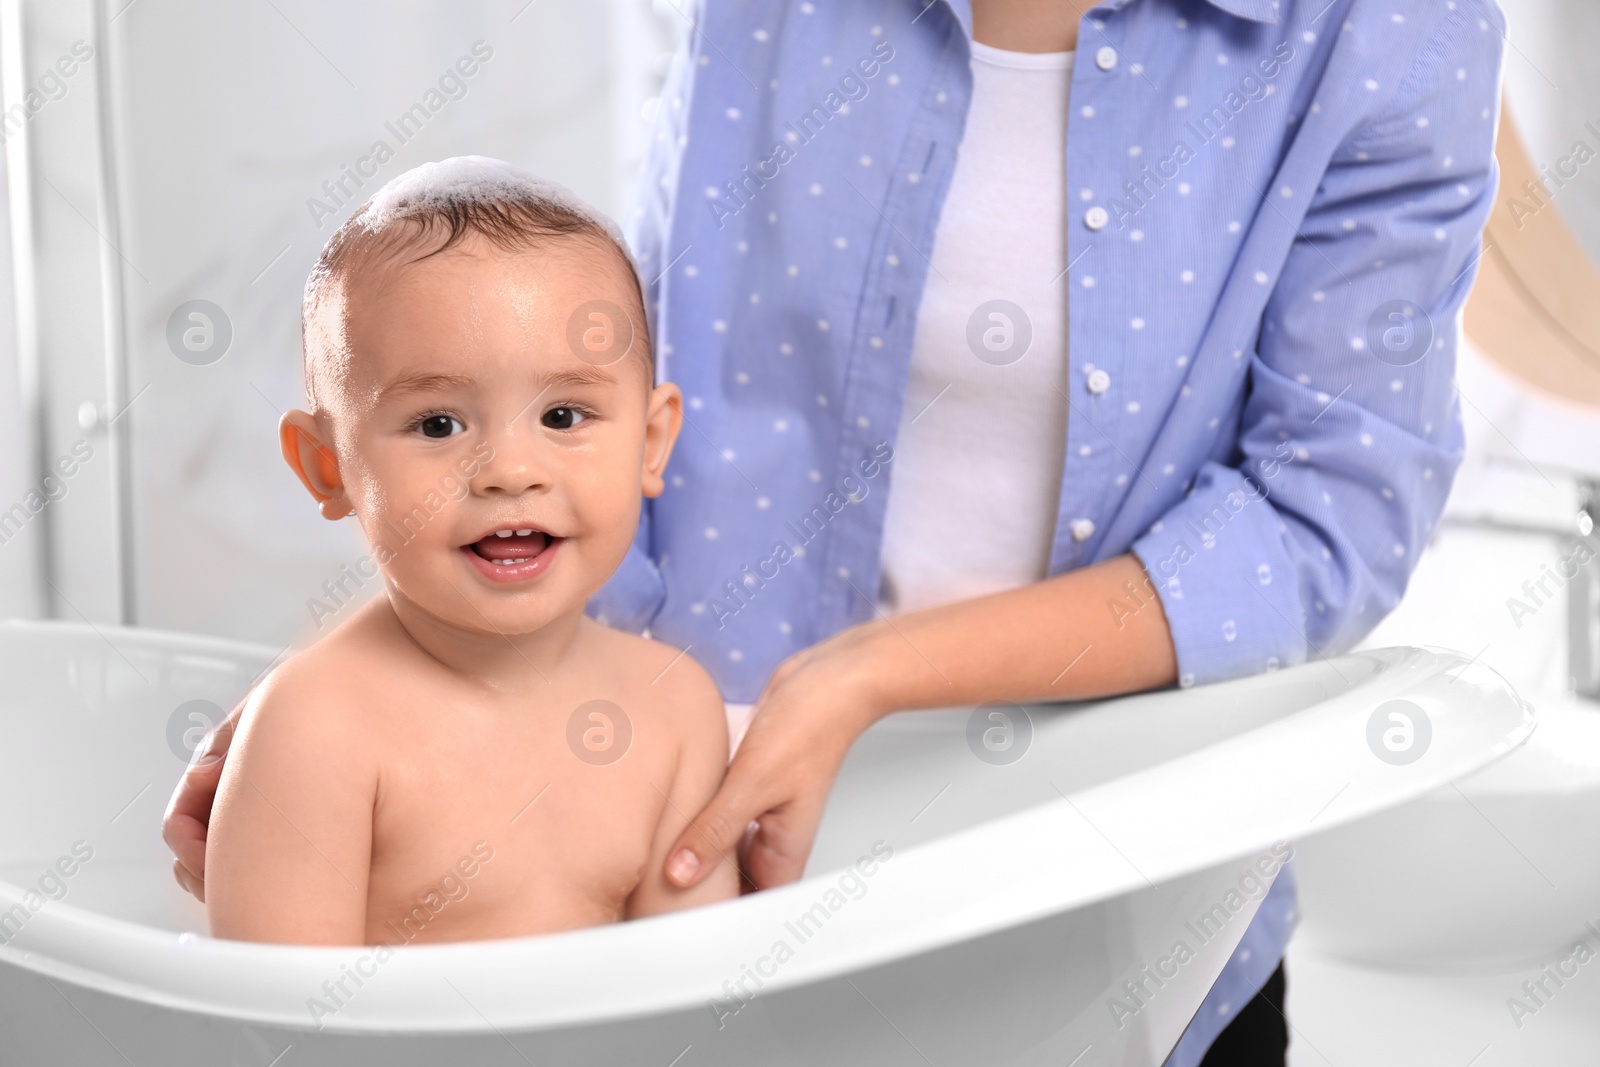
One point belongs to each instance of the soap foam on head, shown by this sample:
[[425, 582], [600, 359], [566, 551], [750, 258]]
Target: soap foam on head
[[433, 195], [476, 179]]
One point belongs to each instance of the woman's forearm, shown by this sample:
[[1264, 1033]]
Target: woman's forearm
[[1057, 639]]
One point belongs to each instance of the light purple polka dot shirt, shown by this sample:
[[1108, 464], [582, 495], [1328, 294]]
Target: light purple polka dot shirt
[[1274, 210]]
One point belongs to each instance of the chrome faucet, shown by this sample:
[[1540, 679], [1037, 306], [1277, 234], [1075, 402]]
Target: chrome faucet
[[1583, 601]]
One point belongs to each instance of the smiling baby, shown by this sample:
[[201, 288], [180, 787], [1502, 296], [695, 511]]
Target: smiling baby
[[469, 755]]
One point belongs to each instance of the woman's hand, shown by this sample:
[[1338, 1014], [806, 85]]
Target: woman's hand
[[1051, 640], [812, 709], [189, 811]]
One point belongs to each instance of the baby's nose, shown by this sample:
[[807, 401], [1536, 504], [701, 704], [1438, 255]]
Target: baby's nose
[[517, 466]]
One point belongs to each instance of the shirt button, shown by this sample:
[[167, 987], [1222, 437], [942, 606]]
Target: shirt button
[[1096, 218], [1082, 529], [1099, 382], [1106, 58]]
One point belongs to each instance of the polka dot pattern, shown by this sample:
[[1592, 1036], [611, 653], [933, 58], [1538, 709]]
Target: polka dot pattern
[[1243, 433]]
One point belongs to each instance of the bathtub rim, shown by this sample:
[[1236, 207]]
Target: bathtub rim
[[65, 940]]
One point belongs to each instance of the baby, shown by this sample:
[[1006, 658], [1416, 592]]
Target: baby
[[469, 755]]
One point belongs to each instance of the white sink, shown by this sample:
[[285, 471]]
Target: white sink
[[1499, 870]]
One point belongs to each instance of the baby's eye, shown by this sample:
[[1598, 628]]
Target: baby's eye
[[440, 426], [563, 418]]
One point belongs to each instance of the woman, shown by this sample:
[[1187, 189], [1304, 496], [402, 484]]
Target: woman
[[1226, 459]]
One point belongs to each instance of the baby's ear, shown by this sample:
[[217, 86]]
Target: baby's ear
[[314, 462], [663, 419]]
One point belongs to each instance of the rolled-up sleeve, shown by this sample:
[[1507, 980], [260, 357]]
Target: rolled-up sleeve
[[1350, 431]]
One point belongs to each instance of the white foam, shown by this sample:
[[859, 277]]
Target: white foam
[[480, 179]]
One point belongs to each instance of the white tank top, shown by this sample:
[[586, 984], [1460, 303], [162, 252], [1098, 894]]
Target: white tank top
[[977, 466]]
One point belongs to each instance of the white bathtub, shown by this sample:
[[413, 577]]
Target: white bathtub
[[1018, 901]]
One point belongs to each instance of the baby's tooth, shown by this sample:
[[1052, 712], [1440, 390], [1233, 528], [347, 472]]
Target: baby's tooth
[[524, 533], [502, 533]]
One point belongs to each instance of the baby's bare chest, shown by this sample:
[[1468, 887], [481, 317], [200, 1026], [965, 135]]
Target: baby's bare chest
[[489, 827]]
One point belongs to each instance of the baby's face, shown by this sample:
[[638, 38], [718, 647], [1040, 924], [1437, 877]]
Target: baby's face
[[495, 465]]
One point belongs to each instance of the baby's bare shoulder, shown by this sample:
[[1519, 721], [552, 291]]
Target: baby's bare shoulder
[[670, 681], [330, 688]]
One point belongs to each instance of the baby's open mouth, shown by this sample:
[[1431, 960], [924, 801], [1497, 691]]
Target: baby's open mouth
[[507, 548]]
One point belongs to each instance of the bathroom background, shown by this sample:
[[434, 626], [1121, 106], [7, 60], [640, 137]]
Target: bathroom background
[[207, 154], [235, 136]]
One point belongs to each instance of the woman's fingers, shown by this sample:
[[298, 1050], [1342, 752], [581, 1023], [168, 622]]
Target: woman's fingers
[[778, 850], [803, 723], [190, 884], [189, 811], [779, 779], [186, 837], [712, 837]]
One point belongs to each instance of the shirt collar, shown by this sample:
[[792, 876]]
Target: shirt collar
[[1264, 11], [1255, 10]]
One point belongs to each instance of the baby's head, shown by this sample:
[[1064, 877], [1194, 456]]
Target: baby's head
[[478, 364]]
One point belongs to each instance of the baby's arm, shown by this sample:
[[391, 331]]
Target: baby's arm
[[695, 708], [290, 840]]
